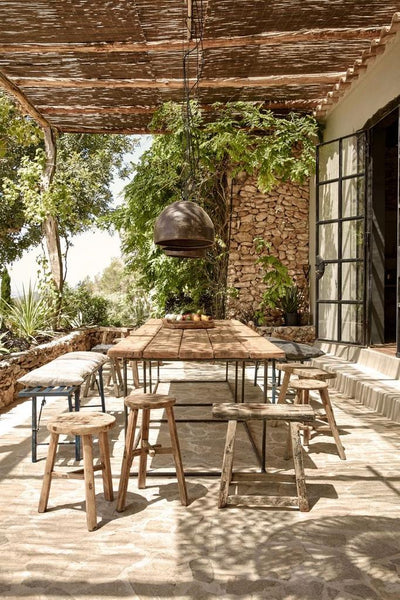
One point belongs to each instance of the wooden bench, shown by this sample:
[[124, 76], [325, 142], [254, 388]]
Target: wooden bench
[[295, 415], [62, 376]]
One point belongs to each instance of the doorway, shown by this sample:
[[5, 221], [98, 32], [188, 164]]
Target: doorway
[[384, 229]]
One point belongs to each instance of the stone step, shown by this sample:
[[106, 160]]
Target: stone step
[[366, 375]]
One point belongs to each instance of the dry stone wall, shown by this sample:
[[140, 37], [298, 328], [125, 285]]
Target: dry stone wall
[[279, 217]]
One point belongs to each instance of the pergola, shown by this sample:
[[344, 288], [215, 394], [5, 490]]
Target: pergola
[[99, 66]]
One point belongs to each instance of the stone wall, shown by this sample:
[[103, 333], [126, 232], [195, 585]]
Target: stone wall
[[19, 363], [301, 335], [279, 217]]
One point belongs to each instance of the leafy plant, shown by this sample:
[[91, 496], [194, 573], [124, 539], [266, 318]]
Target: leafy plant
[[28, 316], [292, 300], [82, 307], [276, 275], [242, 137], [3, 349]]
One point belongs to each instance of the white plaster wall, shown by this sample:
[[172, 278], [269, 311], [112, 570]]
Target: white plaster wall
[[379, 84]]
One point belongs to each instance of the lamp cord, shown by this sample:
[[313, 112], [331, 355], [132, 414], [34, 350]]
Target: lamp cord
[[194, 28]]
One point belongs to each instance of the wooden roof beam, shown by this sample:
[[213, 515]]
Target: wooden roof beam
[[140, 110], [223, 82], [266, 39], [23, 101]]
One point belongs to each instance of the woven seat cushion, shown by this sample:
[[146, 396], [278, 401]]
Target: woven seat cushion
[[296, 351], [69, 369]]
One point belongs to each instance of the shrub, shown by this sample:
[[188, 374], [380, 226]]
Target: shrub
[[81, 307]]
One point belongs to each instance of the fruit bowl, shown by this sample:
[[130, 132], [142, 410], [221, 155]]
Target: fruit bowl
[[188, 324]]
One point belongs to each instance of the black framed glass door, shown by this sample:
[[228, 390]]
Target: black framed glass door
[[340, 240]]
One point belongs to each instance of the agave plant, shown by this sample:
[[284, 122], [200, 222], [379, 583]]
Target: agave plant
[[3, 349], [28, 315]]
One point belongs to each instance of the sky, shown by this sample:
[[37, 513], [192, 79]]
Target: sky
[[90, 253]]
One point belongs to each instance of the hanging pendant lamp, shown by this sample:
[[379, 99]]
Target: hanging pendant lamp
[[184, 225], [184, 229]]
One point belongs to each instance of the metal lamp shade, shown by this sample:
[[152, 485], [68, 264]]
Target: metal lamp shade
[[184, 225], [185, 252]]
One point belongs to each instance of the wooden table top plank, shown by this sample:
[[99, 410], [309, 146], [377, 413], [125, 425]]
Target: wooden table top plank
[[262, 349], [196, 344], [149, 328], [130, 347], [225, 344], [165, 344], [227, 340]]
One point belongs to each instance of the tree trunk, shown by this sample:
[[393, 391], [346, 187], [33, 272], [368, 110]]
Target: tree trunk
[[50, 225]]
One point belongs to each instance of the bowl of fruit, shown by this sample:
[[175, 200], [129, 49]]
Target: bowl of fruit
[[188, 320]]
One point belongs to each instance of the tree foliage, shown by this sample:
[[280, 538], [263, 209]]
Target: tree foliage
[[19, 138], [79, 195], [241, 137]]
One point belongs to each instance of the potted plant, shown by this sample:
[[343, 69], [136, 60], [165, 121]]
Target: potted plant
[[290, 303]]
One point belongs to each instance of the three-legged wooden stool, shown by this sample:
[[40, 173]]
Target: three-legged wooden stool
[[85, 425], [303, 387], [147, 402], [295, 414]]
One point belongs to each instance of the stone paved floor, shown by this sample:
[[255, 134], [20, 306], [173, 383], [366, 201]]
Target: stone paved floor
[[346, 548]]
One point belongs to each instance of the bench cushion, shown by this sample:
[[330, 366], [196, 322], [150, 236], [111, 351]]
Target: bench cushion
[[69, 369], [295, 350]]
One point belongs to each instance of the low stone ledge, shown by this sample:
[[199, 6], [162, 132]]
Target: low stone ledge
[[303, 334], [14, 365]]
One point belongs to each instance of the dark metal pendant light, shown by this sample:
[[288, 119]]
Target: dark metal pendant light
[[184, 225], [184, 229]]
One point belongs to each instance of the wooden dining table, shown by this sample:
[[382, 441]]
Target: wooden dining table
[[228, 341]]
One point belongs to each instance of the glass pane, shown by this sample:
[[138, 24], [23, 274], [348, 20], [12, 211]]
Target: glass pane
[[328, 241], [327, 321], [352, 239], [352, 281], [351, 323], [328, 201], [353, 150], [328, 284], [328, 161], [353, 197]]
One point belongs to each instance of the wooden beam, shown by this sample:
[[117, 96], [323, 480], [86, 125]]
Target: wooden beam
[[237, 82], [142, 110], [265, 39], [23, 101], [110, 131]]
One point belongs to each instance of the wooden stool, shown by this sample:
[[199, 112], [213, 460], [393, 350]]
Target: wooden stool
[[303, 388], [288, 369], [85, 425], [264, 412], [313, 373], [147, 402]]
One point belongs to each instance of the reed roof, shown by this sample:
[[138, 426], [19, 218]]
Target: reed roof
[[105, 66]]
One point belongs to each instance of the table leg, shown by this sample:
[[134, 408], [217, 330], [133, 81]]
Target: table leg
[[236, 381], [77, 437], [34, 429], [125, 375], [243, 379], [101, 389]]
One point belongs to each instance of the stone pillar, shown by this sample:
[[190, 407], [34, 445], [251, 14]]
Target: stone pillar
[[279, 217]]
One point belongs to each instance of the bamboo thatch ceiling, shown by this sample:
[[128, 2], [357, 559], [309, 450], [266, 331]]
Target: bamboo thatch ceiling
[[105, 65]]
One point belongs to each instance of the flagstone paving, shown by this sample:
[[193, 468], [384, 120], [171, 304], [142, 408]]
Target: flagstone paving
[[346, 548]]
